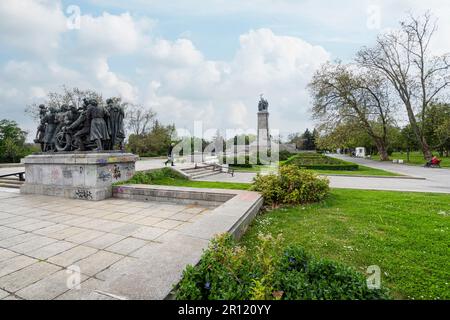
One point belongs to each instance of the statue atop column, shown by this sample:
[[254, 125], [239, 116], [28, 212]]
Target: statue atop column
[[263, 105], [263, 139]]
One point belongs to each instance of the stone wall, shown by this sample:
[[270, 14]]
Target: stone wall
[[85, 175]]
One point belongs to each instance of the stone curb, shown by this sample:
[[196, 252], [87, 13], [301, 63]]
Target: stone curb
[[380, 177]]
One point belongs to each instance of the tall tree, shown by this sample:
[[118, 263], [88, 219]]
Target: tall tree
[[67, 96], [437, 127], [153, 143], [348, 135], [296, 138], [12, 142], [139, 119], [344, 95], [308, 140], [419, 78]]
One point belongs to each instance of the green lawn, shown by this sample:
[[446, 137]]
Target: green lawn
[[255, 168], [416, 158], [178, 182], [362, 171], [169, 177], [406, 234]]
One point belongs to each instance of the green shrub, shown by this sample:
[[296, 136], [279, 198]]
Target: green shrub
[[315, 161], [291, 186], [148, 177], [230, 272], [223, 273], [284, 155], [306, 278], [241, 161]]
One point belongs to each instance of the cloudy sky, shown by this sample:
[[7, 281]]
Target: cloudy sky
[[190, 59]]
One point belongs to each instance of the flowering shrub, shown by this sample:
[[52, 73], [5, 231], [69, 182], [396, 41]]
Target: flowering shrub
[[230, 272], [291, 186]]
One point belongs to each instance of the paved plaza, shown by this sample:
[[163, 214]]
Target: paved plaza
[[127, 249], [42, 237], [430, 180], [427, 179]]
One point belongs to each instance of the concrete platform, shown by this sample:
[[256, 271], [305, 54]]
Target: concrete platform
[[77, 175], [124, 249]]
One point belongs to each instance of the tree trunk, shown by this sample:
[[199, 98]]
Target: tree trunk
[[417, 132], [382, 151], [426, 149]]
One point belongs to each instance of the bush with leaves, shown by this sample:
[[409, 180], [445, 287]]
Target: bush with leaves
[[148, 177], [291, 186], [271, 272], [12, 142]]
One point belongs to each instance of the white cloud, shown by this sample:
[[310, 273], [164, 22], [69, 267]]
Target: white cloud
[[108, 83], [122, 54], [279, 66], [110, 34], [33, 26], [174, 77]]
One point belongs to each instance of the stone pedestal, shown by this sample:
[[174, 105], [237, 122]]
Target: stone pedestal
[[77, 175], [263, 131]]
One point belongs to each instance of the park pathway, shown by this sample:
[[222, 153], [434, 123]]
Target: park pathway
[[430, 180]]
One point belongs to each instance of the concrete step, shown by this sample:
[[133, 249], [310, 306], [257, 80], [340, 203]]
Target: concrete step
[[9, 185], [206, 174], [193, 173], [189, 170], [11, 181]]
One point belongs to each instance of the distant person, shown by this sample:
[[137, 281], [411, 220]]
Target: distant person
[[170, 155], [435, 161]]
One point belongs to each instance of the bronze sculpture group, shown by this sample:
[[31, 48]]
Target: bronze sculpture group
[[263, 104], [93, 127]]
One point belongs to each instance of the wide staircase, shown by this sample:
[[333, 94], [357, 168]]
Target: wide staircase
[[201, 171], [209, 167], [12, 180]]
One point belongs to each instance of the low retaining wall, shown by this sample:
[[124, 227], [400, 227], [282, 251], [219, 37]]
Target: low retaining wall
[[171, 194], [233, 211]]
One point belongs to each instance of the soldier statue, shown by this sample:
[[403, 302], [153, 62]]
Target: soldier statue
[[40, 134], [115, 124], [263, 105], [92, 127], [82, 126], [50, 130], [99, 130]]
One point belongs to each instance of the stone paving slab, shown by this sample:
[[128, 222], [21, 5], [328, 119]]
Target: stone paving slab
[[28, 275], [126, 246], [124, 249], [48, 288], [3, 294]]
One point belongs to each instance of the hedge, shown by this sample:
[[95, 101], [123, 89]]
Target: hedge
[[320, 162], [341, 167]]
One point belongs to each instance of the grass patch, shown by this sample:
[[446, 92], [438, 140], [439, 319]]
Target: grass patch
[[405, 234], [169, 177], [362, 171], [315, 161], [416, 158], [254, 168]]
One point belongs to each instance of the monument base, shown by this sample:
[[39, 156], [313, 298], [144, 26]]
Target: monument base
[[77, 175]]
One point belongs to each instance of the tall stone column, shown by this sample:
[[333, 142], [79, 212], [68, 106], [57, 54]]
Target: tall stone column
[[263, 131]]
